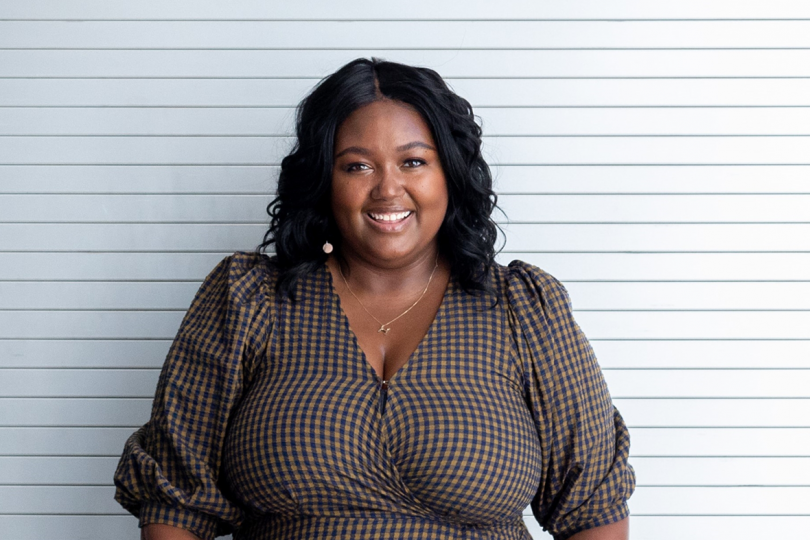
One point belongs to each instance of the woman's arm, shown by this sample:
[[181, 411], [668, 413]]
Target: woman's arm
[[156, 531], [615, 531]]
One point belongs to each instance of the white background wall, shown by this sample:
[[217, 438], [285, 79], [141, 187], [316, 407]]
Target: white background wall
[[654, 156]]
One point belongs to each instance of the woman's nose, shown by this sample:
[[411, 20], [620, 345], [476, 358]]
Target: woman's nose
[[389, 183]]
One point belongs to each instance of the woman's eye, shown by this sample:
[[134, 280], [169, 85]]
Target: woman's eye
[[414, 162], [353, 167]]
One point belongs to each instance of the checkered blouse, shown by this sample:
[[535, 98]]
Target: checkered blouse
[[269, 422]]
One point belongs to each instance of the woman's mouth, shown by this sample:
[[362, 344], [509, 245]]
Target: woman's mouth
[[389, 217]]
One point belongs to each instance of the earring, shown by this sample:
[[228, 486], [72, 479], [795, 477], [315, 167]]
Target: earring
[[327, 247]]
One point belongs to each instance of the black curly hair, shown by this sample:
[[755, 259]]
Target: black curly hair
[[301, 216]]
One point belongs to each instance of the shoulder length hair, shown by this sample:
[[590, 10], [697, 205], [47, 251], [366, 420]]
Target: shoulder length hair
[[301, 216]]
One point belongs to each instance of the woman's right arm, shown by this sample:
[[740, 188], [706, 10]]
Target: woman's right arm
[[169, 471], [157, 531]]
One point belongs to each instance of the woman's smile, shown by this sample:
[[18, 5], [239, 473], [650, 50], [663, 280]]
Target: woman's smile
[[389, 217]]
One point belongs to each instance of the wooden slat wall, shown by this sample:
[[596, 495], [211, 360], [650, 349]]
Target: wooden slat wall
[[653, 156]]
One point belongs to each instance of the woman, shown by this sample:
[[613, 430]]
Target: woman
[[381, 376]]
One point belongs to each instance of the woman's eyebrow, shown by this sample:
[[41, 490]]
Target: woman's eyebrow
[[414, 144], [366, 152], [354, 150]]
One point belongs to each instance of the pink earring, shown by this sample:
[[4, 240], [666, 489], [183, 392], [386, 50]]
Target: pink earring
[[327, 247]]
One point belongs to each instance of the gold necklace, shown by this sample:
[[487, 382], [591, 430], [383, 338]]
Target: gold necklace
[[386, 327]]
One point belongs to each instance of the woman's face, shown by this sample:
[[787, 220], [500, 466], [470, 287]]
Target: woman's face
[[389, 194]]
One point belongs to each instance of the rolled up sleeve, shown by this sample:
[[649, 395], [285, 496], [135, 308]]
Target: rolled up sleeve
[[586, 477], [169, 470]]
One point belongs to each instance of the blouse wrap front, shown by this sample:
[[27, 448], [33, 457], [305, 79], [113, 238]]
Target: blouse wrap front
[[268, 422]]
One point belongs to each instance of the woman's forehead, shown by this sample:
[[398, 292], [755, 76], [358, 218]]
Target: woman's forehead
[[385, 124]]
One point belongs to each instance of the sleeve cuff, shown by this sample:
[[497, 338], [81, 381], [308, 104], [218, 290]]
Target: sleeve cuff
[[202, 525], [608, 517]]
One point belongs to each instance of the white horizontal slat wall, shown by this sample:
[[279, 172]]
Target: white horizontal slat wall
[[653, 156]]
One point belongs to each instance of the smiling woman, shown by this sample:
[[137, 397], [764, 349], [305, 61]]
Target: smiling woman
[[389, 199], [302, 218], [289, 409], [389, 194]]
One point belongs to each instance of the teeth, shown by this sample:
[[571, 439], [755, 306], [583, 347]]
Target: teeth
[[396, 216]]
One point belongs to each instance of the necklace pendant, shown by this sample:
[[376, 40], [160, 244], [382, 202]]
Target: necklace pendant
[[383, 330]]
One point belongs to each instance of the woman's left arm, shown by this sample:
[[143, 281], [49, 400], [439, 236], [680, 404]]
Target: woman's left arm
[[615, 531], [585, 443]]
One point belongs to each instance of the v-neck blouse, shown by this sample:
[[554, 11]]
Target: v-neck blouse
[[351, 336], [269, 422]]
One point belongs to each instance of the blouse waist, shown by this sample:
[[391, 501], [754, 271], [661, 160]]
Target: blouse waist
[[388, 525]]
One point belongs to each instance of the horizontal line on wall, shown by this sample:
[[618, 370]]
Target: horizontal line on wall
[[169, 164], [499, 222], [632, 455], [669, 310], [655, 456], [656, 281], [85, 398], [681, 486], [476, 107], [400, 49], [267, 193], [239, 223], [68, 456], [592, 340], [553, 136], [89, 514], [135, 427], [639, 514], [55, 485], [605, 252], [158, 368], [290, 136], [85, 251], [75, 485], [254, 194], [635, 514], [169, 340], [426, 19], [151, 395], [704, 398], [108, 339], [182, 310], [491, 164], [499, 193], [62, 426], [641, 426], [449, 79], [676, 368], [720, 427], [188, 281]]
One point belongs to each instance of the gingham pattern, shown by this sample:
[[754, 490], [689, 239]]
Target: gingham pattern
[[498, 407]]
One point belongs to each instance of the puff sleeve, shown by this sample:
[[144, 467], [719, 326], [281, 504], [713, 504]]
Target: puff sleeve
[[586, 478], [169, 469]]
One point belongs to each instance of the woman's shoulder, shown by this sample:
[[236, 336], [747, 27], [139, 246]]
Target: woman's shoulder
[[525, 282], [250, 276]]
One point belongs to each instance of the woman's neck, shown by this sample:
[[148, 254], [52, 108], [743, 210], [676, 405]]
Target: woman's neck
[[366, 278]]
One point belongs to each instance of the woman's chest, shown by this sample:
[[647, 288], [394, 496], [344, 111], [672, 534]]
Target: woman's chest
[[450, 435]]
